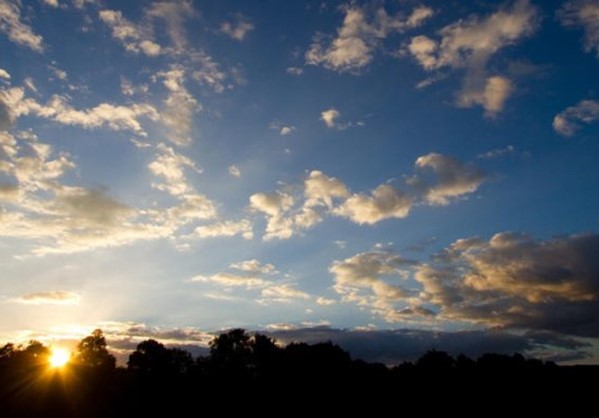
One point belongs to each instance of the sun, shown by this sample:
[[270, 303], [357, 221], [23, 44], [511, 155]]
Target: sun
[[59, 357]]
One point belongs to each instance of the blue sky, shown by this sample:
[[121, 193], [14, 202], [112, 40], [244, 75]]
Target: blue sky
[[170, 169]]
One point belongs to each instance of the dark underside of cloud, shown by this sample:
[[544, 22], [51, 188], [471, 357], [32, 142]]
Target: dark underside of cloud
[[393, 347]]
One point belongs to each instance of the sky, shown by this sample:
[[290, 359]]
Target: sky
[[391, 175]]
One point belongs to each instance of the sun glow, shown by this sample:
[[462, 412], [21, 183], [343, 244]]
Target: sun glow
[[59, 357]]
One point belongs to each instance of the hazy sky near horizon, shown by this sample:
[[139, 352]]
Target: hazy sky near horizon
[[174, 167]]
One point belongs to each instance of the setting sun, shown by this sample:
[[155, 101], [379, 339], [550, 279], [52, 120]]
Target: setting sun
[[59, 357]]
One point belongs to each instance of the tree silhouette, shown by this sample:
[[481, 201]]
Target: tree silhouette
[[92, 352], [152, 357]]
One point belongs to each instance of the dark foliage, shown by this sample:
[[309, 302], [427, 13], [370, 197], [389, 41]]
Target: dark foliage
[[248, 369]]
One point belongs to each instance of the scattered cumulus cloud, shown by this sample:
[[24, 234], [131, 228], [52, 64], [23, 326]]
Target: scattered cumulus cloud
[[237, 28], [294, 71], [469, 45], [226, 229], [568, 122], [287, 213], [584, 13], [454, 179], [57, 297], [384, 202], [360, 35], [329, 117], [254, 266], [16, 30], [284, 129], [234, 171], [134, 38]]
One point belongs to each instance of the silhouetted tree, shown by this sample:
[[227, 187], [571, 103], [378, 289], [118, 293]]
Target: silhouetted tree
[[434, 359], [154, 358], [92, 352], [231, 350]]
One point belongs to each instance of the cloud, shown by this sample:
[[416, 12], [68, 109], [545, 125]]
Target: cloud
[[287, 213], [170, 165], [57, 297], [373, 280], [392, 347], [516, 281], [59, 218], [173, 13], [325, 301], [321, 190], [283, 128], [231, 280], [384, 202], [17, 31], [329, 117], [567, 122], [133, 38], [468, 45], [52, 3], [497, 153], [254, 266], [114, 117], [454, 179], [237, 29], [294, 71], [226, 229], [234, 171], [283, 293], [4, 74], [180, 106], [583, 13], [359, 36], [511, 281]]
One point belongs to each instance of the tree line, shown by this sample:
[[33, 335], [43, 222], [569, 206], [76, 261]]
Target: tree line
[[239, 364]]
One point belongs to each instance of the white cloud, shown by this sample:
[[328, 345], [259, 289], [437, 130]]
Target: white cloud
[[226, 229], [17, 31], [324, 301], [4, 74], [52, 3], [371, 280], [170, 166], [454, 179], [470, 44], [234, 171], [180, 106], [231, 280], [286, 130], [174, 14], [384, 202], [492, 97], [329, 117], [283, 293], [237, 29], [254, 266], [283, 128], [57, 297], [583, 13], [359, 36], [28, 82], [57, 218], [133, 38], [497, 153], [294, 70], [287, 213], [320, 189], [567, 122], [115, 117]]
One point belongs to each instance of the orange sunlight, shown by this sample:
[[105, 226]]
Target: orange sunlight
[[59, 357]]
